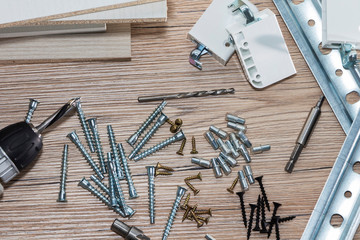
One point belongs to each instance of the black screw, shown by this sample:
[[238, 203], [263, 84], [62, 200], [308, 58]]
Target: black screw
[[253, 206], [243, 212], [259, 179], [277, 228], [273, 218], [257, 220], [286, 219], [263, 217]]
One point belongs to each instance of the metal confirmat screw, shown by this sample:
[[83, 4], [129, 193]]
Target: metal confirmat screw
[[84, 126], [201, 211], [111, 182], [62, 193], [244, 139], [115, 153], [259, 179], [218, 132], [216, 168], [179, 194], [226, 169], [181, 149], [245, 153], [211, 139], [252, 206], [195, 191], [201, 162], [229, 160], [235, 119], [198, 176], [235, 142], [263, 216], [177, 137], [237, 127], [242, 180], [100, 184], [199, 223], [242, 205], [231, 188], [232, 149], [257, 219], [203, 219], [94, 129], [260, 149], [32, 107], [224, 148], [151, 181], [273, 218], [132, 190], [249, 174], [193, 145], [76, 140], [160, 166], [159, 122], [133, 138]]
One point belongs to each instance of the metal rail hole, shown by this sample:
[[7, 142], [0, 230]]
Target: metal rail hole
[[324, 51], [339, 72], [348, 194], [311, 22], [352, 97], [356, 167], [297, 2], [336, 220]]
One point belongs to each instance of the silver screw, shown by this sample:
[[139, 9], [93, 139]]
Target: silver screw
[[235, 119], [62, 193], [159, 122], [224, 148], [232, 149], [237, 127], [114, 151], [260, 149], [133, 138], [201, 162], [87, 185], [249, 174], [111, 183], [242, 180], [84, 126], [179, 195], [177, 137], [218, 132], [76, 140], [132, 190], [211, 139], [226, 169], [100, 184], [244, 139], [235, 142], [151, 180], [245, 153], [229, 160], [32, 107], [94, 129], [216, 168]]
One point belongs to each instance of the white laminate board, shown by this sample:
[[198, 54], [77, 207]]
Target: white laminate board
[[17, 12]]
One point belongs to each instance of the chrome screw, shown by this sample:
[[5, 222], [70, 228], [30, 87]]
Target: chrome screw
[[159, 122], [32, 107], [211, 139], [232, 149], [260, 149], [226, 169], [201, 162], [245, 153], [94, 129], [151, 180], [237, 127], [235, 119], [177, 137], [160, 166], [132, 190], [249, 174], [179, 194], [216, 168], [100, 184], [114, 151], [229, 160], [62, 193], [111, 183], [84, 126], [244, 139], [133, 138], [242, 180], [76, 140], [217, 131], [224, 148]]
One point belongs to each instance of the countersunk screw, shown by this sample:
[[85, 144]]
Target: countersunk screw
[[187, 199], [199, 223], [177, 137], [260, 149], [62, 193], [32, 107], [159, 122], [159, 166], [179, 121], [94, 129], [193, 145], [259, 179], [237, 127], [273, 218], [198, 176], [211, 139], [162, 173], [151, 181], [257, 219], [76, 140], [209, 237], [263, 217], [181, 149], [115, 153], [252, 206], [100, 184], [196, 191], [242, 205], [207, 211], [217, 131], [231, 188], [132, 190], [111, 182], [133, 138], [249, 174], [84, 126], [187, 211], [179, 194]]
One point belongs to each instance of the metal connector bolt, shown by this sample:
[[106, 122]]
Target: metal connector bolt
[[249, 174], [151, 181], [218, 132], [132, 190], [84, 126], [226, 169], [260, 149], [201, 162], [216, 168], [32, 107], [234, 141], [237, 127], [232, 149], [244, 139], [242, 180], [193, 146], [235, 119], [94, 129], [224, 148], [62, 192], [211, 139], [229, 160]]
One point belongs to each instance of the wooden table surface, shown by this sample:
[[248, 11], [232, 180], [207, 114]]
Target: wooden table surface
[[109, 92]]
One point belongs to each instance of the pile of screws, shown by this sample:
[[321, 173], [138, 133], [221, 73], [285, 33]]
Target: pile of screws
[[192, 213], [187, 182]]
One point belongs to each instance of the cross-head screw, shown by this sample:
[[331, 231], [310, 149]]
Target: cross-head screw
[[242, 205], [197, 176], [32, 107], [253, 207], [273, 218], [231, 188]]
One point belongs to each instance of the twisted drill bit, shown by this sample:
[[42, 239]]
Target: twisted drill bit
[[186, 95]]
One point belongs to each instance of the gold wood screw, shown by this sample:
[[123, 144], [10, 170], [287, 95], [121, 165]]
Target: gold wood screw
[[196, 191], [159, 166], [208, 212], [193, 143], [231, 188], [187, 199], [188, 209], [198, 176], [179, 121], [180, 152], [157, 173], [205, 220], [199, 223], [174, 127]]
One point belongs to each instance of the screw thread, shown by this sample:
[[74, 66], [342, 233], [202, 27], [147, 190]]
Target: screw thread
[[191, 187], [250, 220], [100, 184], [152, 199], [277, 231], [155, 148], [99, 150], [84, 126], [62, 192], [257, 219], [242, 205], [193, 143], [263, 216], [187, 199], [132, 190], [286, 219], [259, 179], [198, 176], [114, 151], [182, 146], [32, 107], [75, 139], [159, 166], [171, 217], [273, 217], [118, 189], [208, 211], [231, 188]]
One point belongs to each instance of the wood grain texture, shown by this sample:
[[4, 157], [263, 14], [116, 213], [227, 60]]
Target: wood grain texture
[[159, 65], [114, 44]]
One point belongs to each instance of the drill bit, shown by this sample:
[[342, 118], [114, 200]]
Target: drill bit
[[186, 95]]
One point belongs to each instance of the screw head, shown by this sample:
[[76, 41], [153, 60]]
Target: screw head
[[174, 128], [179, 121]]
